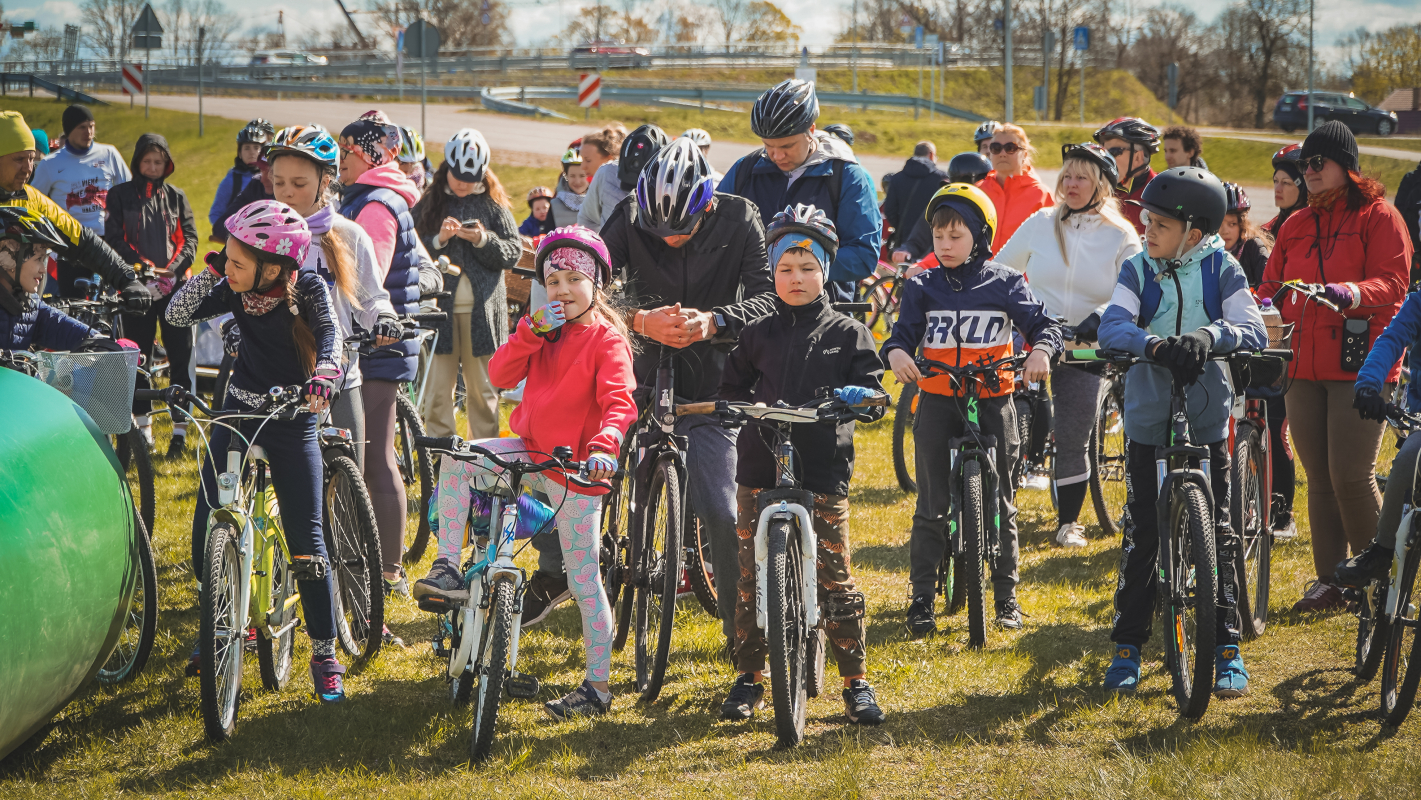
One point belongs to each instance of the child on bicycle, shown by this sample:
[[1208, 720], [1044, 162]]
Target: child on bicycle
[[962, 313], [577, 359], [1182, 299], [288, 333], [26, 239], [796, 355]]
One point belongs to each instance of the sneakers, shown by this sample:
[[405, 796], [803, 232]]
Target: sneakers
[[325, 674], [1230, 678], [746, 697], [921, 619], [177, 448], [1285, 531], [544, 593], [1071, 534], [1009, 614], [400, 587], [443, 584], [1371, 564], [580, 702], [1124, 673], [1320, 596], [1036, 481], [861, 705], [388, 637]]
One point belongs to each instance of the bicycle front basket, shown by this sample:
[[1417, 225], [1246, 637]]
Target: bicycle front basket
[[100, 383]]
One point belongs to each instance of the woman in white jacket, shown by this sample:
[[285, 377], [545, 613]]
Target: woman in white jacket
[[1071, 254]]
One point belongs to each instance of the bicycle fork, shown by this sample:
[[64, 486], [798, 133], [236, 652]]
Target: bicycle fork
[[1403, 544], [786, 504]]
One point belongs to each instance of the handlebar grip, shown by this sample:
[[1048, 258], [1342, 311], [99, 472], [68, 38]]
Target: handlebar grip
[[523, 273], [854, 308], [881, 400], [437, 442], [690, 409], [149, 395], [1286, 355], [428, 316], [436, 296], [410, 333]]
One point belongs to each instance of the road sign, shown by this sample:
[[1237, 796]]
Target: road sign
[[1082, 38], [147, 31], [918, 37], [422, 40], [589, 90], [1039, 99], [133, 79]]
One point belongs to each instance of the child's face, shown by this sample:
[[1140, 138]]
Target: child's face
[[799, 279], [574, 290], [1228, 229], [1163, 236], [153, 164], [249, 152], [576, 175], [296, 182], [31, 272], [952, 244], [540, 209], [242, 269]]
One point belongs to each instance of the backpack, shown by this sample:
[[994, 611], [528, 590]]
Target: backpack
[[836, 179], [1151, 293]]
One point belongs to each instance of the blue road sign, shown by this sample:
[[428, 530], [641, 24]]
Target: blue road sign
[[1082, 38]]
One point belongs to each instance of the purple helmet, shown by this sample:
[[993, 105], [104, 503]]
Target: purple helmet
[[271, 227], [577, 248]]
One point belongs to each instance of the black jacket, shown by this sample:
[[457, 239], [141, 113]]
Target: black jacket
[[1253, 257], [723, 269], [151, 220], [908, 193], [798, 354]]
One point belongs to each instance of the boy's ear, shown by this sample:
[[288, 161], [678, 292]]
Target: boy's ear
[[1195, 237]]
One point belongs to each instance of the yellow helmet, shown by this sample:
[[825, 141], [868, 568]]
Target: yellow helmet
[[965, 194]]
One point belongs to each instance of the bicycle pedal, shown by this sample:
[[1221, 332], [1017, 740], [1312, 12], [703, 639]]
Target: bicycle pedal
[[435, 604], [309, 568], [522, 686]]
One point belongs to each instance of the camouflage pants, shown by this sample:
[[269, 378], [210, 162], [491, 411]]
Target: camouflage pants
[[831, 526]]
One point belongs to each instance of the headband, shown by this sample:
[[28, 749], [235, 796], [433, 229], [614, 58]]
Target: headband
[[789, 241]]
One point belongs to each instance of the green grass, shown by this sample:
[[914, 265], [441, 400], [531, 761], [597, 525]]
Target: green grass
[[1393, 142]]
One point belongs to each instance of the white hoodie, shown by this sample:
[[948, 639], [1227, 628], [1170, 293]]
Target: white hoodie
[[1070, 290]]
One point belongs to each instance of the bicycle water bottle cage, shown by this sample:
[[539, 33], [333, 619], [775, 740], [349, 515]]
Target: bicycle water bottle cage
[[843, 606], [309, 568]]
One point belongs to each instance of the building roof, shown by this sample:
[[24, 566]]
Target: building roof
[[1402, 100]]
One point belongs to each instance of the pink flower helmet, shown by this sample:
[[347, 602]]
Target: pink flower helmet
[[577, 248], [273, 227]]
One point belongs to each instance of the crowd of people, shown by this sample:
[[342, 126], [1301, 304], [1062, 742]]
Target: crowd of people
[[644, 251]]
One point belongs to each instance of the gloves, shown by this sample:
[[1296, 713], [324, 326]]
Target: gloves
[[1370, 405], [99, 344], [853, 395], [1185, 356], [1339, 295], [136, 297], [547, 319], [322, 383], [388, 327], [1089, 328], [601, 461], [217, 262], [231, 337]]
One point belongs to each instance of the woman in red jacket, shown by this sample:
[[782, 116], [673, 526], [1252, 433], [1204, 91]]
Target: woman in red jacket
[[1363, 260], [1012, 185]]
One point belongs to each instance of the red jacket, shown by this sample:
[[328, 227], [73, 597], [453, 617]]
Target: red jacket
[[1137, 189], [579, 390], [1021, 197], [1369, 249]]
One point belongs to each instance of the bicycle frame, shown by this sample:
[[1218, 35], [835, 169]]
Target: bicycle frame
[[481, 575], [786, 502], [977, 446]]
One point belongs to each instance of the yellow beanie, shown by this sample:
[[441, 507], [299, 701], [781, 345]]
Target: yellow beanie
[[15, 135]]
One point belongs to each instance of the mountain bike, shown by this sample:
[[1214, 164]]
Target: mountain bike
[[1251, 509], [883, 290], [482, 630], [787, 606]]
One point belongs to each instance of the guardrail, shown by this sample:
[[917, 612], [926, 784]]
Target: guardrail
[[12, 79]]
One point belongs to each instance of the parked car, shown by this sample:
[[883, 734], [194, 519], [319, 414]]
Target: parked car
[[608, 53], [1291, 113], [274, 63]]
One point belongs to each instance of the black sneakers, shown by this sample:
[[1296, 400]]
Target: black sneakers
[[545, 592], [921, 619], [861, 705], [1009, 614], [444, 583], [580, 702], [746, 697], [1371, 564]]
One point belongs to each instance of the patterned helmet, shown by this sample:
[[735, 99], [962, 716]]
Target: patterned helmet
[[28, 227], [577, 248], [271, 227], [798, 222], [411, 146], [674, 191], [572, 156], [986, 131], [1236, 198], [308, 141], [258, 131]]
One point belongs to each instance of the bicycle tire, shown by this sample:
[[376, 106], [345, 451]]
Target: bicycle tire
[[493, 667], [1373, 630], [1399, 679], [274, 658], [784, 631], [416, 470], [616, 544], [137, 462], [224, 379], [903, 450], [1250, 519], [1106, 455], [1191, 658], [353, 547], [816, 656], [660, 577], [222, 634], [883, 296], [973, 573], [699, 569], [140, 626]]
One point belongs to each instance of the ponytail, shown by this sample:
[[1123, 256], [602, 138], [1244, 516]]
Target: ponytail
[[341, 263], [300, 331]]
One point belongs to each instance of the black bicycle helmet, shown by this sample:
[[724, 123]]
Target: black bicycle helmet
[[258, 131], [1094, 154], [788, 109], [1236, 197], [675, 189], [968, 167], [986, 131], [1133, 130], [806, 220], [1188, 194], [842, 131], [640, 146]]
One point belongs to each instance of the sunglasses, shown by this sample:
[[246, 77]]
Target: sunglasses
[[348, 150], [1314, 164], [1116, 151], [1009, 148]]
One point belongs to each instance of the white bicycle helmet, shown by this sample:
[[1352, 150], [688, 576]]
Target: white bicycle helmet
[[467, 155], [674, 190], [699, 136]]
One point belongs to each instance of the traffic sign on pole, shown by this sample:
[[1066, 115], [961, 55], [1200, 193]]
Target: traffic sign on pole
[[589, 91], [132, 81], [1082, 37], [147, 36]]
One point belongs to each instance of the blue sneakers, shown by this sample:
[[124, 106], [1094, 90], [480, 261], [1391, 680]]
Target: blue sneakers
[[1124, 672], [1230, 678]]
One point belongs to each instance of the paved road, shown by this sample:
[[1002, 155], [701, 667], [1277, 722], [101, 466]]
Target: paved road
[[1281, 139]]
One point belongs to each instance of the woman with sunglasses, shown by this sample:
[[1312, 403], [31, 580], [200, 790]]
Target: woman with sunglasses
[[1012, 185], [1356, 244]]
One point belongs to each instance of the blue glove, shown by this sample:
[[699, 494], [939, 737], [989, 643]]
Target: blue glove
[[853, 395], [1339, 294], [547, 319], [601, 461]]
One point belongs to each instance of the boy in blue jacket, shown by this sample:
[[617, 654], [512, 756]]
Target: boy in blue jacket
[[1182, 299], [250, 141], [961, 313], [26, 239]]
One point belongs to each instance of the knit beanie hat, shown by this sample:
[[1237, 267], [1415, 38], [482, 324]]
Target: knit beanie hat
[[15, 135], [1333, 140], [76, 115]]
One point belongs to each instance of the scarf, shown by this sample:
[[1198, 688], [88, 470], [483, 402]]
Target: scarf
[[258, 304], [570, 199]]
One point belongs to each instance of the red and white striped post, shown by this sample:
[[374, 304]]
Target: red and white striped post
[[132, 81], [589, 92]]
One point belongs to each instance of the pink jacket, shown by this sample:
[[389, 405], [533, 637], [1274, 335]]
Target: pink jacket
[[376, 219]]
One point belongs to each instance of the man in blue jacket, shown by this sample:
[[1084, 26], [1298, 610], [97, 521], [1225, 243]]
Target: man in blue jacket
[[800, 165]]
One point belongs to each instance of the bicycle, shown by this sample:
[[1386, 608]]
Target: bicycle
[[884, 292], [1251, 503], [787, 606], [483, 630]]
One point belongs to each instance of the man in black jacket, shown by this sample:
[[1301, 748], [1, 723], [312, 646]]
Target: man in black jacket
[[910, 190]]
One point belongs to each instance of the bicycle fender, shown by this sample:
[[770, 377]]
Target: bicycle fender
[[781, 510], [471, 622], [1403, 544]]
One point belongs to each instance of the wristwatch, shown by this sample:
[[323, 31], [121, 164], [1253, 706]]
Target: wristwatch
[[719, 322]]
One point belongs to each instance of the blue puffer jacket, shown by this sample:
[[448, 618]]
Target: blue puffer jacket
[[1404, 331], [856, 217], [402, 281], [41, 326]]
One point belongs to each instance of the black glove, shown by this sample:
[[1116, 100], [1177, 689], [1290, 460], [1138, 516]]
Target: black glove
[[99, 344], [136, 297], [217, 260], [1172, 354], [388, 327], [1089, 328], [231, 337], [1370, 405], [322, 383]]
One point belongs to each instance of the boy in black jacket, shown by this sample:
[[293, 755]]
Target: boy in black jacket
[[797, 354]]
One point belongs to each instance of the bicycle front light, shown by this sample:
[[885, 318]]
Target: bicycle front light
[[226, 488]]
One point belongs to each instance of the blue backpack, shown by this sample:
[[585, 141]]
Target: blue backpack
[[1151, 293]]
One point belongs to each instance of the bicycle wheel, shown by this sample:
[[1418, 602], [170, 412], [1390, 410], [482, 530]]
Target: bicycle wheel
[[492, 666], [616, 544], [903, 448], [416, 470], [973, 572], [140, 625], [882, 296], [699, 569], [224, 379], [785, 630], [274, 657], [1189, 600], [222, 633], [1250, 520], [137, 463], [659, 576], [1107, 459], [1373, 628], [1401, 665], [353, 547], [815, 657]]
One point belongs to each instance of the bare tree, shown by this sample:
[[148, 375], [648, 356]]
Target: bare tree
[[1172, 34], [107, 24], [461, 23], [1259, 49], [44, 44], [733, 15], [183, 19]]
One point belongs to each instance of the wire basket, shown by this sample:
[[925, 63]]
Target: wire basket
[[100, 383], [1280, 335]]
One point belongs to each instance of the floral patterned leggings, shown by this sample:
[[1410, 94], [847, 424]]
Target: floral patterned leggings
[[578, 519]]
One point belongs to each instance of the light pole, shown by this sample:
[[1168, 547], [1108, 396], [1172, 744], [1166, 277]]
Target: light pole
[[1006, 32], [1310, 62], [854, 54]]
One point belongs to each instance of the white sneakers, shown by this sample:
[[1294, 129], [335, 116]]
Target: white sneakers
[[1037, 481], [1072, 534], [1287, 533]]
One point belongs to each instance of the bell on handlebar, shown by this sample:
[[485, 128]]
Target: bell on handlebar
[[563, 453]]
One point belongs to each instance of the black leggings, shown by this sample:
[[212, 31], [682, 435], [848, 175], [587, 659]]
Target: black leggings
[[177, 340]]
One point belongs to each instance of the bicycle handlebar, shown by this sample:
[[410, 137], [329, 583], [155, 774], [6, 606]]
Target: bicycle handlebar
[[282, 401], [931, 368], [1122, 357], [817, 412], [523, 273], [1312, 290], [466, 451]]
